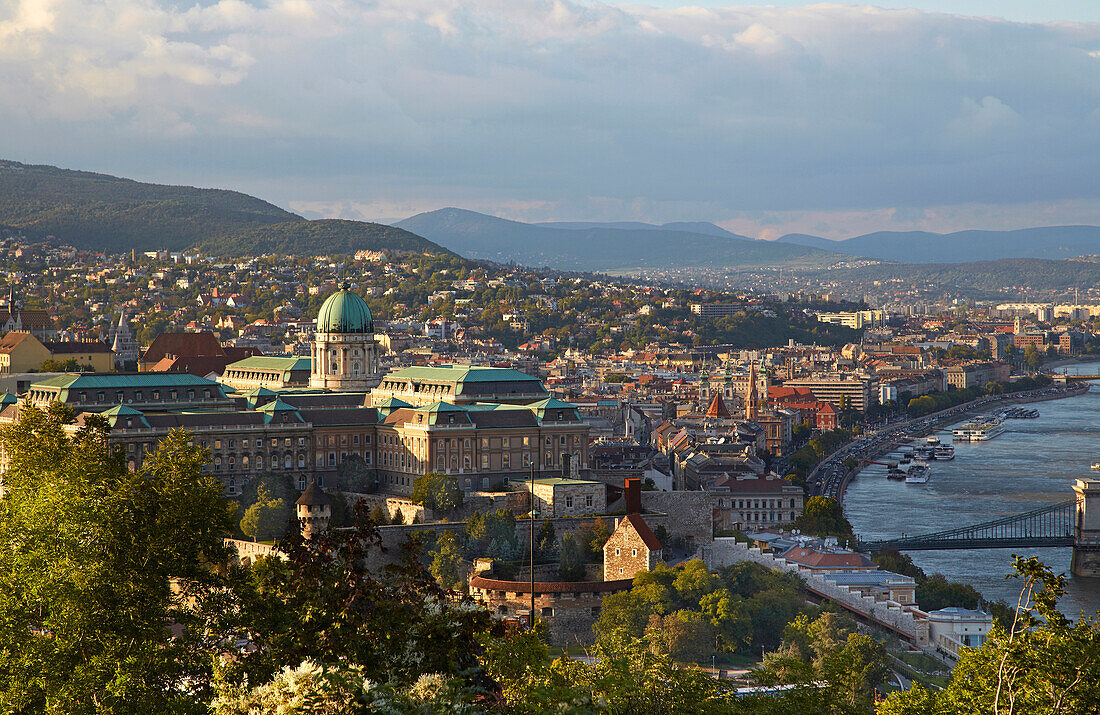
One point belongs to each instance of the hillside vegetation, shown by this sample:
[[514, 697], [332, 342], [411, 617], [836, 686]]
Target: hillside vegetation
[[106, 213], [306, 237]]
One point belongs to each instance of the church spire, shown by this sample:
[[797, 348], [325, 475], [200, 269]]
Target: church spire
[[752, 402]]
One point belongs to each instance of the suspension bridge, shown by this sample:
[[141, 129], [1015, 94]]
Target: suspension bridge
[[1051, 525], [1073, 523]]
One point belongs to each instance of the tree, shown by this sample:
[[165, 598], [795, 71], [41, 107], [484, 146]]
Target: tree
[[51, 365], [571, 563], [546, 540], [438, 492], [1033, 359], [1041, 663], [326, 602], [267, 518], [447, 561], [823, 516], [96, 561]]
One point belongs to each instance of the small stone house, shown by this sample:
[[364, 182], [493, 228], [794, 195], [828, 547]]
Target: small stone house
[[556, 497], [632, 548]]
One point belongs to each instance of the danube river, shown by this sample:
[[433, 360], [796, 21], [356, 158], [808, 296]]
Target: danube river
[[1032, 464]]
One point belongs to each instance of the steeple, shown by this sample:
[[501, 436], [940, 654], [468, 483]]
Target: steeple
[[752, 402]]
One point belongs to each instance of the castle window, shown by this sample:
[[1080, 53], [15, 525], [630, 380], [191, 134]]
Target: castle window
[[569, 502], [302, 461], [633, 552]]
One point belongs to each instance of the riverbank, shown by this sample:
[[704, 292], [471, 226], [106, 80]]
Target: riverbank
[[1033, 464], [868, 450]]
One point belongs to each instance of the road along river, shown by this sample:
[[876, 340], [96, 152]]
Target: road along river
[[1032, 464]]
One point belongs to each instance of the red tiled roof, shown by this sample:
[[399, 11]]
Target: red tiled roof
[[639, 525], [809, 557], [183, 345]]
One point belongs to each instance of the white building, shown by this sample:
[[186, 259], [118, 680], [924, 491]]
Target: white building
[[953, 628]]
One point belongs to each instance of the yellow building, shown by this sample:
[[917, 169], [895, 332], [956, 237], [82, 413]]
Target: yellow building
[[22, 352]]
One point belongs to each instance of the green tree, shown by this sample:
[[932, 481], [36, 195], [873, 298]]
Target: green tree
[[823, 516], [1033, 359], [438, 492], [51, 365], [571, 562], [95, 561], [546, 541], [326, 602], [1041, 663], [267, 518], [447, 561]]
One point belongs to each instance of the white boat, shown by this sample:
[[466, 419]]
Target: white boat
[[933, 441], [980, 430], [945, 452], [1096, 466], [918, 474]]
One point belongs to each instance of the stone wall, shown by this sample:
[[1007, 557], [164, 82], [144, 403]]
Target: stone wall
[[570, 609], [688, 514], [390, 504]]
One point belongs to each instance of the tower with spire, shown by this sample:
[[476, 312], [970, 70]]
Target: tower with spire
[[752, 400], [123, 344]]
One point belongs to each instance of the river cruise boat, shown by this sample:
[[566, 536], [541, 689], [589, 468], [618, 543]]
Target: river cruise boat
[[978, 431], [1096, 466], [945, 452], [932, 441], [917, 474], [894, 472]]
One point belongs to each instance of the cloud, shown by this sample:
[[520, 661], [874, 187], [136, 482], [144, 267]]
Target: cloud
[[583, 109]]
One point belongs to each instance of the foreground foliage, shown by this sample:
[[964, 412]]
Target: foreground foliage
[[107, 601]]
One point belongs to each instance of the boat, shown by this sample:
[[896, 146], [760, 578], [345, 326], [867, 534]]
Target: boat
[[945, 452], [1096, 466], [924, 453], [893, 472], [980, 430], [932, 441], [918, 474]]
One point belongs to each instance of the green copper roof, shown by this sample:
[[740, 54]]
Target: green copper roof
[[114, 414], [74, 381], [462, 373], [344, 312], [272, 363], [8, 399]]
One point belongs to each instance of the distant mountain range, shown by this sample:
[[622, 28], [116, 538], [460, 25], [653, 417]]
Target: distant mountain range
[[961, 246], [106, 213], [606, 247]]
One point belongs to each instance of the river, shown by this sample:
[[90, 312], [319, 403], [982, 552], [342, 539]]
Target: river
[[1032, 464]]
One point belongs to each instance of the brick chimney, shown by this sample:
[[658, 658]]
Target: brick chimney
[[632, 495]]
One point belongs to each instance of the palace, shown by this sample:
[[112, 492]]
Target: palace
[[486, 426]]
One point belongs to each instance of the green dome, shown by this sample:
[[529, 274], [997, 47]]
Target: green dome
[[344, 312]]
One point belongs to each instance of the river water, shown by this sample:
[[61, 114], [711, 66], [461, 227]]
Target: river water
[[1032, 464]]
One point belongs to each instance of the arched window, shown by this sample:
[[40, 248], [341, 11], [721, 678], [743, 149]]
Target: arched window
[[335, 368], [287, 462]]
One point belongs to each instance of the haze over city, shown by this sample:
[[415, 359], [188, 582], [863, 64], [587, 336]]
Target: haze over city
[[832, 119]]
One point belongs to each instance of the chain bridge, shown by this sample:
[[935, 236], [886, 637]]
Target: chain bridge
[[1051, 525]]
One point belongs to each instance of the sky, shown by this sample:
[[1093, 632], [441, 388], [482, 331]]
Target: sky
[[832, 119]]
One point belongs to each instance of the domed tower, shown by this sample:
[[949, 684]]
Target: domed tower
[[345, 354]]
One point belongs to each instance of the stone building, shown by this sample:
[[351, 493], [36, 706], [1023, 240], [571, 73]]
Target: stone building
[[122, 342], [460, 385], [632, 548], [272, 373], [345, 353], [554, 497], [314, 510]]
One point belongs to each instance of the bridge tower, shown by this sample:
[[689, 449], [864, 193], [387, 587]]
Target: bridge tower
[[1086, 532]]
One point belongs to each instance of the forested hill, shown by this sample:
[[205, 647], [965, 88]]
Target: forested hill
[[305, 237], [107, 213]]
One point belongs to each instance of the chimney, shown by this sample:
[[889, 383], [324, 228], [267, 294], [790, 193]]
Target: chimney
[[632, 494]]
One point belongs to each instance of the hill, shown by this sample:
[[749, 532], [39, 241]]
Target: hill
[[601, 247], [961, 246], [990, 276], [703, 227], [320, 236], [106, 213]]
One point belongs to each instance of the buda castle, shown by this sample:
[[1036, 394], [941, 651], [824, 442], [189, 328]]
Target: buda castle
[[342, 423]]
